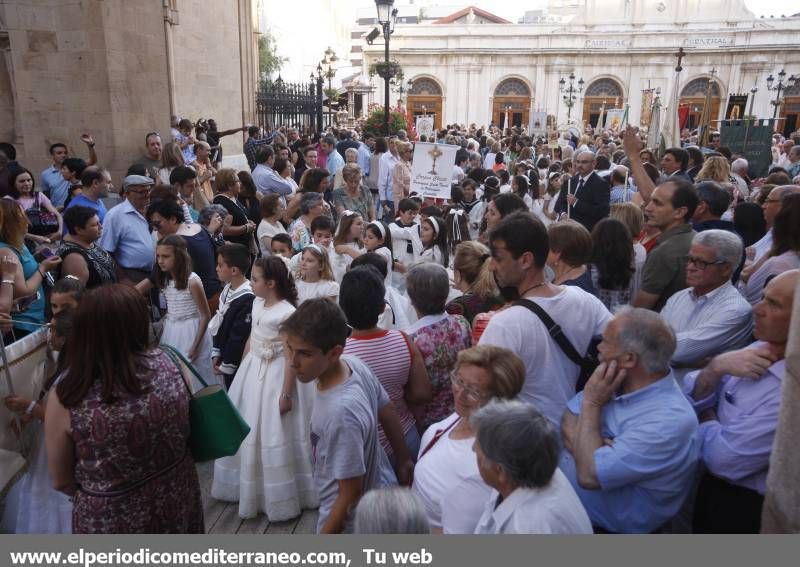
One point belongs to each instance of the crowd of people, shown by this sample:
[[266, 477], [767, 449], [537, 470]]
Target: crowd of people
[[582, 339]]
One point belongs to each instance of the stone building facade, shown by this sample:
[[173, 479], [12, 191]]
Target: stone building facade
[[470, 68], [119, 69]]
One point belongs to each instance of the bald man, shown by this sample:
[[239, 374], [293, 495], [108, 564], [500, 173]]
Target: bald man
[[587, 196], [737, 399]]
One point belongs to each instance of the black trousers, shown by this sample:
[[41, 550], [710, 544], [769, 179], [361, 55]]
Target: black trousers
[[724, 508]]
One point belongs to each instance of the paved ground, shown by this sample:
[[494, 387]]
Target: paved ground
[[223, 518]]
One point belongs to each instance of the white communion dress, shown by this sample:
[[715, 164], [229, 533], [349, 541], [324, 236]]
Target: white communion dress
[[271, 473], [180, 330]]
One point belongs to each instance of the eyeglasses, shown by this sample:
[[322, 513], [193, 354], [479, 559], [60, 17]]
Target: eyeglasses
[[772, 201], [471, 394], [702, 264]]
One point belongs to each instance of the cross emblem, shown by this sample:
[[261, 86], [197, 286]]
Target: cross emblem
[[680, 55], [435, 154]]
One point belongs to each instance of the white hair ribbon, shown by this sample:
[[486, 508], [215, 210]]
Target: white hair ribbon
[[380, 227], [435, 224]]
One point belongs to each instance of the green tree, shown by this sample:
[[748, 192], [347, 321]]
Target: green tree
[[269, 61]]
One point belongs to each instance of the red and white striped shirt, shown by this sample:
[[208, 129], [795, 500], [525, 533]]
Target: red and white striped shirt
[[388, 354]]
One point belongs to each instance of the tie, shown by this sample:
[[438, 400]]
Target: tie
[[580, 186]]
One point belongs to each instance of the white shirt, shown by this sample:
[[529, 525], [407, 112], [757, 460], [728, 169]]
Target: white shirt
[[550, 376], [268, 230], [385, 167], [445, 480], [763, 246], [706, 326], [554, 509]]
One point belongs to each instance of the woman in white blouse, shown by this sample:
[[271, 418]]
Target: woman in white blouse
[[446, 477]]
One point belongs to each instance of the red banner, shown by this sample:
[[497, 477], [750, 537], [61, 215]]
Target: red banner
[[683, 115]]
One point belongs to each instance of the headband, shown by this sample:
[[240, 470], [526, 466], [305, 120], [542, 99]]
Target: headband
[[317, 248], [435, 224], [380, 227]]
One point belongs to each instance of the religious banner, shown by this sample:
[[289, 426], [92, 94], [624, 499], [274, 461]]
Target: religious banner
[[538, 124], [647, 108], [614, 118], [683, 115], [424, 126], [736, 106], [432, 169], [751, 139]]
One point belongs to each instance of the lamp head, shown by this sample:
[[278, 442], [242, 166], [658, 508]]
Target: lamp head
[[384, 8]]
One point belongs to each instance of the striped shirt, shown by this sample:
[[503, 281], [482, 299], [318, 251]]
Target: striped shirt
[[388, 355], [706, 326]]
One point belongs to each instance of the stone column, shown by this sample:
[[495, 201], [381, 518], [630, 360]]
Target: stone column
[[781, 513]]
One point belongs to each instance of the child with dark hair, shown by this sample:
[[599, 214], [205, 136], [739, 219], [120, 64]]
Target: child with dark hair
[[378, 239], [347, 458], [271, 472], [281, 246], [230, 326], [66, 294], [406, 245], [398, 313], [188, 314], [433, 233]]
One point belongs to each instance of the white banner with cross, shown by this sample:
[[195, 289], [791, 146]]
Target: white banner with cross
[[432, 169]]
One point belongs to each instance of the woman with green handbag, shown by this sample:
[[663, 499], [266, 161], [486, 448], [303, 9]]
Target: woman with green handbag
[[117, 425]]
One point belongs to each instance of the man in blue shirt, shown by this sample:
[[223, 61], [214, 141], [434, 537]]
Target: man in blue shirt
[[630, 437], [335, 161], [126, 232], [95, 187], [54, 186], [267, 179]]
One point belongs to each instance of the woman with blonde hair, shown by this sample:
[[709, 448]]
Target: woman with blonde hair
[[171, 157], [401, 174], [475, 280], [632, 217], [715, 168]]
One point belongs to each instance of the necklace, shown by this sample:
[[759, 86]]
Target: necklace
[[540, 284]]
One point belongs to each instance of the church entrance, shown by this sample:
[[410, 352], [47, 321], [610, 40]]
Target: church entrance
[[512, 99], [694, 96], [790, 111], [425, 98], [602, 93]]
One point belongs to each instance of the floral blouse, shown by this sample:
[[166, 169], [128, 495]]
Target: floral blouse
[[301, 235], [440, 338]]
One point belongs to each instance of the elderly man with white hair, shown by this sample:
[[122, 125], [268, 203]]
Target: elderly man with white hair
[[630, 436], [737, 397], [517, 450], [710, 316], [739, 173]]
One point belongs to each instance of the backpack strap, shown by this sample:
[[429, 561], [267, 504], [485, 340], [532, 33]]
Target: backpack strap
[[553, 329]]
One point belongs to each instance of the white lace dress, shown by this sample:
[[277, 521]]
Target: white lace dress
[[313, 290], [271, 473], [180, 330]]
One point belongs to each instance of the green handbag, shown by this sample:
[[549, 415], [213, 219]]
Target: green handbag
[[217, 428]]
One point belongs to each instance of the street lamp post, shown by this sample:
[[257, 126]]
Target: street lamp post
[[570, 92], [753, 92], [790, 82], [386, 18]]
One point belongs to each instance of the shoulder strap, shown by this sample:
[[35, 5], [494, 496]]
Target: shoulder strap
[[177, 358], [554, 329]]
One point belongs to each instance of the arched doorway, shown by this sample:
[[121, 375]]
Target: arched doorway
[[600, 93], [790, 112], [511, 96], [694, 95], [424, 98]]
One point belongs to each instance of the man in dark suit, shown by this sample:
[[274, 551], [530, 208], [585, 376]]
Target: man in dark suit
[[587, 195], [674, 164]]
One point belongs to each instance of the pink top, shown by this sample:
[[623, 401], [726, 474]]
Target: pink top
[[389, 356]]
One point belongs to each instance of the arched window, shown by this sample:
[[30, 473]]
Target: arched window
[[604, 87], [425, 86], [698, 87], [512, 87]]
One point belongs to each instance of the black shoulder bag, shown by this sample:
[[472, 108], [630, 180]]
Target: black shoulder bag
[[587, 363]]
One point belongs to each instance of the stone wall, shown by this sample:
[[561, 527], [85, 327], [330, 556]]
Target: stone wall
[[103, 66]]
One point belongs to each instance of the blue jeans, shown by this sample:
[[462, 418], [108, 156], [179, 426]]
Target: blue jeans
[[413, 441]]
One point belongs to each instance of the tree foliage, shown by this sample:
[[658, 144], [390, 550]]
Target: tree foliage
[[269, 60], [374, 122]]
